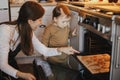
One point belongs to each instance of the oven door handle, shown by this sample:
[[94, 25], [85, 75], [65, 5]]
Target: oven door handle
[[118, 53]]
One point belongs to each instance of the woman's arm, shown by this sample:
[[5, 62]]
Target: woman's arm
[[5, 36], [26, 76], [41, 48]]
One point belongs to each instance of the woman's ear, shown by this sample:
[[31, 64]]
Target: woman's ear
[[30, 21]]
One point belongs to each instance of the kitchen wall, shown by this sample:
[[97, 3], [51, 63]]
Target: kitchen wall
[[20, 1]]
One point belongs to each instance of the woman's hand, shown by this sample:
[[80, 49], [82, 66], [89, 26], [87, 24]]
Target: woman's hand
[[26, 76], [67, 50]]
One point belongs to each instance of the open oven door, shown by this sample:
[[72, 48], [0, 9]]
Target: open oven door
[[115, 61]]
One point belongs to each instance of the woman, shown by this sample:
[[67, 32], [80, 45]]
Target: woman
[[18, 35]]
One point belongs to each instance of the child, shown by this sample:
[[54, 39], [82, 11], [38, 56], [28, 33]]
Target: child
[[57, 34]]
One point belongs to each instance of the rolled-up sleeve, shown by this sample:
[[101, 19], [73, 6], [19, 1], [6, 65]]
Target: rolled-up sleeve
[[41, 48], [4, 50]]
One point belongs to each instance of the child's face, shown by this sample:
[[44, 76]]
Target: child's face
[[63, 20]]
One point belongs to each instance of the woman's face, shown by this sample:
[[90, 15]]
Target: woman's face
[[63, 20], [35, 24]]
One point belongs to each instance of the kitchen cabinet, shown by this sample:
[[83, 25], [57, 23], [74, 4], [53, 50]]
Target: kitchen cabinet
[[77, 41], [74, 41], [4, 10], [14, 12], [46, 18]]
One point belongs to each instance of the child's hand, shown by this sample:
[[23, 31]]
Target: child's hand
[[68, 50], [74, 33]]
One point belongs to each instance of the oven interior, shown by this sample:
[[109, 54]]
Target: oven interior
[[94, 44]]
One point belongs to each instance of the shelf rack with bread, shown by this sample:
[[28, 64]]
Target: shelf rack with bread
[[101, 26], [94, 30]]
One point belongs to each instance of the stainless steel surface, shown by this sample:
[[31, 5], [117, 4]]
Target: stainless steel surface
[[4, 11], [74, 41], [115, 57], [118, 54]]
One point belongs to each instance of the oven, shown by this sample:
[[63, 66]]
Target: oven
[[100, 36], [95, 46], [115, 57]]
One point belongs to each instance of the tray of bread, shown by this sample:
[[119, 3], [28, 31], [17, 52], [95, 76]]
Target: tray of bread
[[98, 63]]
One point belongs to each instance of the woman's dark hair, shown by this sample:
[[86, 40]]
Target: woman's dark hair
[[57, 12], [29, 10]]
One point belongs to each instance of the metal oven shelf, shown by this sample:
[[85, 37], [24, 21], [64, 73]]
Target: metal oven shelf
[[94, 30]]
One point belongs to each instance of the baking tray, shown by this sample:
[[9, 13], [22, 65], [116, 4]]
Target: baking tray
[[98, 63]]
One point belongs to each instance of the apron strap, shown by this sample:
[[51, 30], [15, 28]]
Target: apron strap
[[12, 62], [12, 54], [11, 57]]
